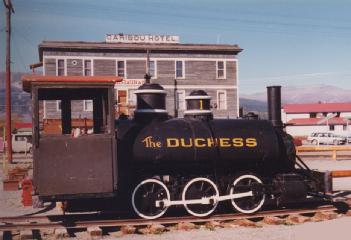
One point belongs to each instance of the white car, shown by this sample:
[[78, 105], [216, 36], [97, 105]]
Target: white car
[[326, 138], [22, 142]]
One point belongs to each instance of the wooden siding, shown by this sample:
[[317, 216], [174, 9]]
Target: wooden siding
[[50, 67], [74, 67], [165, 72], [230, 112], [104, 67], [136, 69], [199, 71], [231, 72]]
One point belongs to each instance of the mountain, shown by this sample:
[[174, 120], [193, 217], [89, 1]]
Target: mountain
[[306, 94], [250, 105], [20, 100]]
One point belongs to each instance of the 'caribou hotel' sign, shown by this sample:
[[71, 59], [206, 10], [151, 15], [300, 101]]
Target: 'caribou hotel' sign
[[136, 38]]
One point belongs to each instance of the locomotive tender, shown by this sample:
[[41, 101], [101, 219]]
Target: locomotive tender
[[156, 161]]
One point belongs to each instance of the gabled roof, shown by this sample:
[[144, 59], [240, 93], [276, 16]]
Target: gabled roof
[[317, 107], [317, 121]]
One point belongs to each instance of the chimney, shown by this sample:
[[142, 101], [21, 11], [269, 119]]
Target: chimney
[[274, 105]]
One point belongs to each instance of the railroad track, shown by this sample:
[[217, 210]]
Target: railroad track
[[34, 224]]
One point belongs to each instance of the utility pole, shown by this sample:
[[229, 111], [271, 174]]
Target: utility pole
[[9, 10], [147, 75]]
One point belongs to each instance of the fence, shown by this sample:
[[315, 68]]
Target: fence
[[318, 149]]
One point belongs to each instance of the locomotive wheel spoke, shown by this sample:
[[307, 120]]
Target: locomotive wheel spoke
[[144, 198], [197, 189], [246, 183]]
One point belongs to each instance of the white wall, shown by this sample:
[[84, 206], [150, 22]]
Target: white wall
[[345, 114], [306, 130]]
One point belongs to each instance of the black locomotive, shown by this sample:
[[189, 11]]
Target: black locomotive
[[157, 161]]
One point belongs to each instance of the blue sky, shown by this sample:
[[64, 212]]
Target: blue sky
[[286, 42]]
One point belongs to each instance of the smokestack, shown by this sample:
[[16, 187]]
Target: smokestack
[[274, 105], [241, 112]]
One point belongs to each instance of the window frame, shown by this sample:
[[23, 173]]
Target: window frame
[[85, 109], [91, 67], [224, 69], [124, 68], [183, 69], [58, 106], [225, 100], [64, 67]]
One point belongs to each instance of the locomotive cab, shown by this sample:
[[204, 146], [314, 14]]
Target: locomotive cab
[[73, 156]]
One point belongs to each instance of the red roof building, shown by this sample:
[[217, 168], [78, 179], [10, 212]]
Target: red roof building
[[303, 119]]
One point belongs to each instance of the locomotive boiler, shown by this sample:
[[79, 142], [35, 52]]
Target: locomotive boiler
[[157, 162]]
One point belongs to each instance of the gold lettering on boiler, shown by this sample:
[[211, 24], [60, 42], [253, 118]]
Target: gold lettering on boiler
[[150, 143], [237, 142]]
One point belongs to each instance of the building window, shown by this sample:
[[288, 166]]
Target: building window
[[132, 98], [180, 100], [87, 68], [58, 105], [313, 115], [221, 100], [331, 127], [179, 69], [220, 70], [344, 127], [152, 69], [88, 105], [60, 67], [120, 68]]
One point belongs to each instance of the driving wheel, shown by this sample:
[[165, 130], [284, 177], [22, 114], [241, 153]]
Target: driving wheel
[[145, 196], [244, 184], [200, 189]]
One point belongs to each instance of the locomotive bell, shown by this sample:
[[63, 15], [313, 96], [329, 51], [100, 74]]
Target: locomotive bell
[[198, 105], [151, 102]]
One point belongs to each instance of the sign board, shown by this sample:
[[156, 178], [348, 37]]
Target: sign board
[[134, 82], [136, 38]]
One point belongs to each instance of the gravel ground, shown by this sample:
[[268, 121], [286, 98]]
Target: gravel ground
[[10, 205], [327, 230], [10, 201]]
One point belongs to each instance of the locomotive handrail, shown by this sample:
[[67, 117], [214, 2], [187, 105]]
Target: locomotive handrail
[[302, 162]]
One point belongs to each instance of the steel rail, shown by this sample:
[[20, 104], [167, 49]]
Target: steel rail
[[7, 225]]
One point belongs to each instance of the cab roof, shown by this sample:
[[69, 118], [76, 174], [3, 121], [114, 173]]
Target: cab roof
[[29, 80]]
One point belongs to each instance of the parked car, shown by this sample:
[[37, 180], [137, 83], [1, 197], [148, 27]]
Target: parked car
[[326, 138], [22, 142]]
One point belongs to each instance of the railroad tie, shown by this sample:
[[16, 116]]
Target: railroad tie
[[61, 233], [94, 232], [26, 235]]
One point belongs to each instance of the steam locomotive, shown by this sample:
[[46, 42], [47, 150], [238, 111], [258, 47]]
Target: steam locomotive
[[158, 162], [198, 161]]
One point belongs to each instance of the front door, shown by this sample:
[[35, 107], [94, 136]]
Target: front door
[[122, 102]]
